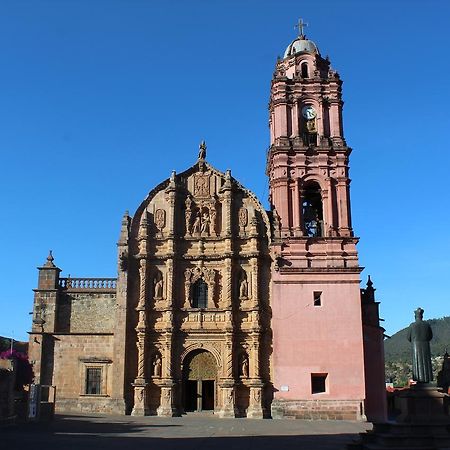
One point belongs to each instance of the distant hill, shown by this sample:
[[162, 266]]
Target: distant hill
[[397, 351], [397, 348], [5, 344]]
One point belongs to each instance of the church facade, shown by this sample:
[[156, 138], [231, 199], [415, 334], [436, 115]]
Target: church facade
[[220, 305]]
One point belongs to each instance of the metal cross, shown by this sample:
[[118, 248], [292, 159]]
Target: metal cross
[[301, 26]]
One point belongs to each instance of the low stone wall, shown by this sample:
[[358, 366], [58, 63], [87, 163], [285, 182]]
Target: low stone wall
[[318, 409], [100, 405]]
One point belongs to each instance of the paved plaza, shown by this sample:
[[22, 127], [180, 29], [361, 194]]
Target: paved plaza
[[191, 432]]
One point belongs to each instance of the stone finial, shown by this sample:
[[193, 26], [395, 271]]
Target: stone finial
[[124, 228], [202, 151], [50, 259], [369, 291]]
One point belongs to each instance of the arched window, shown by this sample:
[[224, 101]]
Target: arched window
[[304, 68], [312, 211], [200, 294]]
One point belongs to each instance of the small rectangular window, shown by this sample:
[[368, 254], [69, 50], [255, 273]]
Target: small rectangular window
[[318, 383], [318, 298], [93, 381]]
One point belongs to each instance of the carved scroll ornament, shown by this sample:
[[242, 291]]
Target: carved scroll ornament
[[160, 218]]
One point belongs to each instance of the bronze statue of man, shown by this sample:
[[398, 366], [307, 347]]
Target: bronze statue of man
[[420, 335]]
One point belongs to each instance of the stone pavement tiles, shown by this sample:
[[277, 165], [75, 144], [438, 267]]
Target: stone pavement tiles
[[191, 432]]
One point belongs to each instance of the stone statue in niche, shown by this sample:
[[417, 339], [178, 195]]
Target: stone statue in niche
[[212, 217], [243, 285], [244, 366], [159, 285], [196, 227], [157, 365], [205, 222]]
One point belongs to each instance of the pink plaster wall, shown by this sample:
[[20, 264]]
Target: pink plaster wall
[[309, 339]]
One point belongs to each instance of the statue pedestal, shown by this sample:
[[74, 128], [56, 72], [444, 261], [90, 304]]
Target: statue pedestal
[[423, 423], [423, 404]]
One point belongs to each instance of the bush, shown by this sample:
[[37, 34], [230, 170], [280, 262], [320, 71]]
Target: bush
[[24, 374]]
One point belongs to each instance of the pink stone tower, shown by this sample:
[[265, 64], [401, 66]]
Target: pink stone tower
[[318, 337]]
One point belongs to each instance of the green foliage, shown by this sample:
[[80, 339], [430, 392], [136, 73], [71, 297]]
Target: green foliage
[[4, 344]]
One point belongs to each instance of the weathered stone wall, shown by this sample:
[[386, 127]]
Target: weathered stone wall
[[73, 355], [86, 312], [318, 409]]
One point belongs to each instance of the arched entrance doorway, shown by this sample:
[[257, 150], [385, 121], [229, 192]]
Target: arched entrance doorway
[[199, 381]]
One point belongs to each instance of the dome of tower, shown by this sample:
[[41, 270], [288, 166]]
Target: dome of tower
[[301, 45]]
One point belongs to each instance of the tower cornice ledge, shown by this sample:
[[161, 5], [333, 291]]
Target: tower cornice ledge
[[319, 270]]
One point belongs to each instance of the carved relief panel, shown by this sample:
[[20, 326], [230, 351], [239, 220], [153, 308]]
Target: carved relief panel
[[201, 217], [202, 185]]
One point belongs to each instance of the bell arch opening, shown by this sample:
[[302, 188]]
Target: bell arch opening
[[312, 210]]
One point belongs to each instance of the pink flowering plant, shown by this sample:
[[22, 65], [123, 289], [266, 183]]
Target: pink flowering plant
[[25, 373]]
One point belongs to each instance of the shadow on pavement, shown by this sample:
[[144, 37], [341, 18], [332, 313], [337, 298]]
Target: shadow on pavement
[[85, 433]]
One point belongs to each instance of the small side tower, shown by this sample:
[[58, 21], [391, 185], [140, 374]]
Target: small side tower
[[318, 351]]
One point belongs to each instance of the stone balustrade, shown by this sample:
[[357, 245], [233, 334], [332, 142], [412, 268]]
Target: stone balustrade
[[88, 284]]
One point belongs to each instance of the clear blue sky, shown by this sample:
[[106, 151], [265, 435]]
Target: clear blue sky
[[101, 99]]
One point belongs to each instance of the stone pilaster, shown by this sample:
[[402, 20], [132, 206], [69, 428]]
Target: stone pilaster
[[166, 408], [118, 367], [170, 195], [255, 281], [45, 309], [255, 408], [227, 295], [140, 406], [169, 282], [228, 400]]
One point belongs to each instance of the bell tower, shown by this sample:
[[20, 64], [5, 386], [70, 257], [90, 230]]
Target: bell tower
[[318, 354]]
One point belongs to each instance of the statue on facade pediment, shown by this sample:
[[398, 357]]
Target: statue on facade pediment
[[202, 150]]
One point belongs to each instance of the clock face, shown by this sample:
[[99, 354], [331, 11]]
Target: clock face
[[308, 112]]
